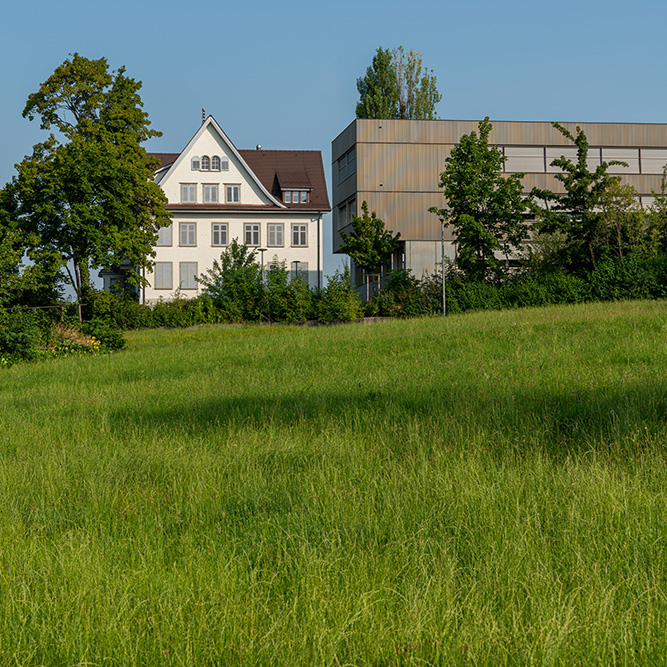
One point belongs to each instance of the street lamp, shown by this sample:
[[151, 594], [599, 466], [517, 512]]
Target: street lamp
[[262, 250], [442, 255]]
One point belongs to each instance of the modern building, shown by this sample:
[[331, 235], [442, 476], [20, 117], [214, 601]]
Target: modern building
[[270, 200], [395, 166]]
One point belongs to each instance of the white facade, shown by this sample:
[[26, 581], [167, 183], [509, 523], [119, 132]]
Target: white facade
[[214, 196]]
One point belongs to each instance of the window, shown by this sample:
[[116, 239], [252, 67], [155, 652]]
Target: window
[[205, 163], [211, 194], [299, 269], [219, 234], [275, 235], [252, 235], [188, 233], [347, 165], [233, 194], [188, 193], [188, 275], [215, 163], [300, 235], [295, 196], [194, 163], [224, 164], [164, 236], [163, 275]]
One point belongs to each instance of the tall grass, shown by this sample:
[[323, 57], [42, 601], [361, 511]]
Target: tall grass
[[489, 489]]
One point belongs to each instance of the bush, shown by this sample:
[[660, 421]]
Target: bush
[[20, 335], [109, 337], [338, 301]]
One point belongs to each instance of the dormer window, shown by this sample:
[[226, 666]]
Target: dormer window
[[195, 163], [295, 196], [215, 163], [205, 163]]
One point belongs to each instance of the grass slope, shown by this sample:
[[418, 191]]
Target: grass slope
[[485, 490]]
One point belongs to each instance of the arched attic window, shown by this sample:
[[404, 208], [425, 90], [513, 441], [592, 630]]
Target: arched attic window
[[205, 163], [224, 164], [215, 163], [194, 163]]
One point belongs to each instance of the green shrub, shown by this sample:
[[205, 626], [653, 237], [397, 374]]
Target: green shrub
[[20, 335], [110, 337], [338, 301]]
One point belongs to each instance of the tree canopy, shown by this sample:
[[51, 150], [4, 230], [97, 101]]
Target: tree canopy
[[484, 207], [87, 196], [397, 86]]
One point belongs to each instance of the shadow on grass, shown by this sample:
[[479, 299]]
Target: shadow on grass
[[560, 422]]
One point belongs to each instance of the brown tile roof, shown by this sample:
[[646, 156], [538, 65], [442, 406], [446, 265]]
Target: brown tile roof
[[165, 158], [291, 169], [275, 170]]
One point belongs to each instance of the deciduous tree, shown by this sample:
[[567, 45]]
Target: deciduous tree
[[369, 244], [577, 214], [87, 195], [397, 86], [485, 208]]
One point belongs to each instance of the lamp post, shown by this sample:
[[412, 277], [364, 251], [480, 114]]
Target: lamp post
[[262, 250], [442, 255]]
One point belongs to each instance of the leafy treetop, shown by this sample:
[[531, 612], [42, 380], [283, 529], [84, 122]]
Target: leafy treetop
[[397, 86]]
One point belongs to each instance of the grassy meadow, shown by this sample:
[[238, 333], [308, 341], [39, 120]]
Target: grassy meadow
[[489, 489]]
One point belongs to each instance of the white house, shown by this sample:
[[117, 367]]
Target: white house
[[271, 200]]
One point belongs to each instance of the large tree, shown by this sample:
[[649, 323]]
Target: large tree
[[578, 213], [397, 86], [87, 195], [485, 208]]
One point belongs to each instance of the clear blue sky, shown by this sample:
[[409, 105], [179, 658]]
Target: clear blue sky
[[283, 73]]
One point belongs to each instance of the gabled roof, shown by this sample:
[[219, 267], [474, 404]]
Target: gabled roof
[[272, 170], [280, 170], [210, 121]]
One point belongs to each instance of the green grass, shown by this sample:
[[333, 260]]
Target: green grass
[[485, 490]]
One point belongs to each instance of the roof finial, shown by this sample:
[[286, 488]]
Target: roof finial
[[203, 115]]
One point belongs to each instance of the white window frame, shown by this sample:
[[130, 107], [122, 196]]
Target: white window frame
[[190, 285], [252, 233], [275, 232], [165, 236], [224, 164], [300, 233], [235, 191], [221, 231], [195, 163], [187, 231], [215, 163], [163, 274], [287, 196], [205, 163], [210, 193], [188, 193]]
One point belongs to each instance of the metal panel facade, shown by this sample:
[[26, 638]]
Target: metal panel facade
[[398, 163]]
